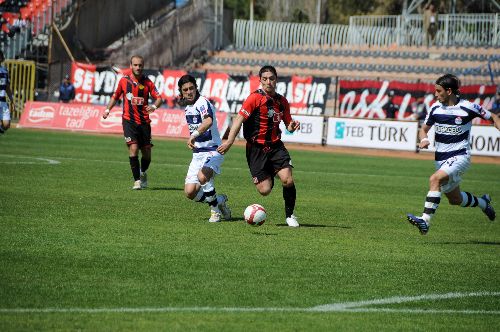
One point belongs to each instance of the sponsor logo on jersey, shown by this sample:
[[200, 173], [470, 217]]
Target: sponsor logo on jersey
[[141, 86], [137, 101], [270, 113], [458, 120], [440, 129], [192, 127], [476, 106]]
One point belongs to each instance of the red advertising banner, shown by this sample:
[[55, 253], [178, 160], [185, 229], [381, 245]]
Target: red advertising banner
[[87, 117], [227, 92], [409, 101], [169, 89], [83, 78]]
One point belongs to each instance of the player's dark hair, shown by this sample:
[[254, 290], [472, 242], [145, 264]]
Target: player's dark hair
[[268, 69], [187, 79], [450, 81]]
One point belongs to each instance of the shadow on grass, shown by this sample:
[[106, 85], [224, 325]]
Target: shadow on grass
[[315, 225], [166, 188], [488, 243]]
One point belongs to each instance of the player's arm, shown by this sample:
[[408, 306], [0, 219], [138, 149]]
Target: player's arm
[[496, 120], [9, 94], [291, 125], [110, 106], [235, 129], [203, 127], [114, 98], [158, 101], [422, 135]]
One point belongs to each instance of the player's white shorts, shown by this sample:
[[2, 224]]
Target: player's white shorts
[[454, 167], [4, 112], [211, 159]]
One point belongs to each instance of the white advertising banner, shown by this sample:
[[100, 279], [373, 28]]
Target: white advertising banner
[[310, 131], [484, 140], [393, 135]]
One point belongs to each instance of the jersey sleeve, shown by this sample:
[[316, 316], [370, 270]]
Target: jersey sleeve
[[429, 118], [206, 109], [119, 90], [287, 117], [481, 112], [248, 106], [153, 91]]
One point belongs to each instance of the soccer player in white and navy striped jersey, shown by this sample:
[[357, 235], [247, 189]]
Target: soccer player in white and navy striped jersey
[[5, 92], [204, 141], [452, 121]]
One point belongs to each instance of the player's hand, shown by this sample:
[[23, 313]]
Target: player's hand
[[293, 126], [105, 114], [190, 142], [224, 147], [424, 143], [150, 108]]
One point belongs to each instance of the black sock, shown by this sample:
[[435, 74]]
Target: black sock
[[211, 197], [145, 164], [289, 195], [135, 167]]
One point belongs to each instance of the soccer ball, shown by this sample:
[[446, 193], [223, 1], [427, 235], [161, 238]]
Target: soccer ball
[[255, 214]]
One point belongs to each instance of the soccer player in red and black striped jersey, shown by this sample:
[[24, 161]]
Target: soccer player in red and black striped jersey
[[267, 156], [136, 89]]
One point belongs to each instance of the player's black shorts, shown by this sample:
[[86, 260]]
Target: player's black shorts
[[137, 134], [265, 161]]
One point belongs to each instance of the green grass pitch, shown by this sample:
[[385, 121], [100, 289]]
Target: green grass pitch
[[80, 250]]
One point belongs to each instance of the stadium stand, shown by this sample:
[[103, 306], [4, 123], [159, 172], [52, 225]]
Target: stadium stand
[[415, 63], [364, 50]]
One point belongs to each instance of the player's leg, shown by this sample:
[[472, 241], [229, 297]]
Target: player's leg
[[280, 161], [432, 201], [289, 195], [192, 186], [131, 139], [262, 177], [466, 199], [206, 176], [4, 119], [133, 155], [145, 144], [265, 186]]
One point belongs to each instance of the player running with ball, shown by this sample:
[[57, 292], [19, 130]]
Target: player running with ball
[[452, 120], [267, 156]]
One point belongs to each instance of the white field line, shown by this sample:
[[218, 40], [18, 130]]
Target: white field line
[[350, 307], [55, 161], [44, 160]]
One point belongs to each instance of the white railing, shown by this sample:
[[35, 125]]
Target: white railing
[[457, 30], [16, 46]]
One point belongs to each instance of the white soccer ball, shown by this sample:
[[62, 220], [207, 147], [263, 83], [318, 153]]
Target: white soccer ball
[[255, 214]]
